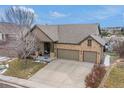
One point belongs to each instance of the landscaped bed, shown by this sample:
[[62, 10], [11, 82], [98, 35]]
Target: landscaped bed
[[21, 69], [116, 77]]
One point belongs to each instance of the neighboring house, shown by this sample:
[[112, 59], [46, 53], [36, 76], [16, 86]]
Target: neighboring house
[[8, 39], [81, 42], [112, 30], [113, 41]]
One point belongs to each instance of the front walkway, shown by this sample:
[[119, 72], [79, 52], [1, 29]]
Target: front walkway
[[63, 73]]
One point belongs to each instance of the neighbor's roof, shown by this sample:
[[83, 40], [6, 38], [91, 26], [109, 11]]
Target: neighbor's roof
[[69, 33], [9, 28]]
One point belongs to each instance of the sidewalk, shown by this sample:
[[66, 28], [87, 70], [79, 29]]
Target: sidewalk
[[23, 82], [4, 84]]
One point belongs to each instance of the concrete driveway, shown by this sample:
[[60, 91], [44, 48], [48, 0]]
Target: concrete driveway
[[63, 73]]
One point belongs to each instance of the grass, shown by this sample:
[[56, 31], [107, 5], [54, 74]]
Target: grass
[[116, 77], [21, 69]]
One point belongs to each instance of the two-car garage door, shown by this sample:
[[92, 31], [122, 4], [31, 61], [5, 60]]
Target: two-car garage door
[[68, 54], [88, 56]]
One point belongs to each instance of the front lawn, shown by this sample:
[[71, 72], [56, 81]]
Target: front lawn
[[21, 69], [116, 77]]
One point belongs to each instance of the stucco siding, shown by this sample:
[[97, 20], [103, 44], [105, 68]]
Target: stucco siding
[[41, 36]]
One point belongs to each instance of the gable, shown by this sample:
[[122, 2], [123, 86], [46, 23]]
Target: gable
[[97, 39], [95, 46], [41, 35], [94, 42], [50, 30]]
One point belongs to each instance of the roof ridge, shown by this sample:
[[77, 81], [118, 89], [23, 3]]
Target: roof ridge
[[67, 24], [70, 33]]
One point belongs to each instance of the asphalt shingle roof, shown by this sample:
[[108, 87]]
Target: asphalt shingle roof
[[8, 29], [68, 33], [98, 39], [76, 32], [50, 30], [72, 33]]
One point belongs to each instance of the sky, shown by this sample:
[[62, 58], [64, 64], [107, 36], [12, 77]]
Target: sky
[[106, 16]]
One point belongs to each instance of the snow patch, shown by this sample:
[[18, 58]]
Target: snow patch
[[107, 60]]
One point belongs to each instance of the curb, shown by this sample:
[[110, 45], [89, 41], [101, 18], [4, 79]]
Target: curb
[[22, 82]]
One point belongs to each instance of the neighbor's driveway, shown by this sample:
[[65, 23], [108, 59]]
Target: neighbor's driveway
[[63, 73]]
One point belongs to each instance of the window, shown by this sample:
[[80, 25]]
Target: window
[[2, 37], [89, 43]]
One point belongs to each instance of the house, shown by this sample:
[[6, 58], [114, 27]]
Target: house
[[113, 30], [9, 39], [81, 42], [113, 41]]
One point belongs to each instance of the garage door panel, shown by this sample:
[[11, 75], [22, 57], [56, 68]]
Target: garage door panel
[[68, 54], [90, 56]]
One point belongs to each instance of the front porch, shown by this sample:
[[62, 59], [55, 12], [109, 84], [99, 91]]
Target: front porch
[[45, 52], [44, 44]]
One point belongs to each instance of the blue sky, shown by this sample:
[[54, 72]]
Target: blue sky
[[104, 15]]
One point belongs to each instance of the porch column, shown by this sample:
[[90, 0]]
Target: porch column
[[51, 47], [52, 54]]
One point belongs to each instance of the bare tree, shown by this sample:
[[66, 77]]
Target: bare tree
[[19, 15], [24, 18], [119, 48]]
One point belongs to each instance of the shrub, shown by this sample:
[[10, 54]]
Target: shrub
[[94, 78], [120, 49], [105, 33]]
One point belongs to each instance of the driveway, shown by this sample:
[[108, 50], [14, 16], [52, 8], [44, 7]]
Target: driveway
[[63, 73]]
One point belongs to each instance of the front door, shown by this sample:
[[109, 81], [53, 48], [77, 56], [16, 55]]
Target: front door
[[47, 47]]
